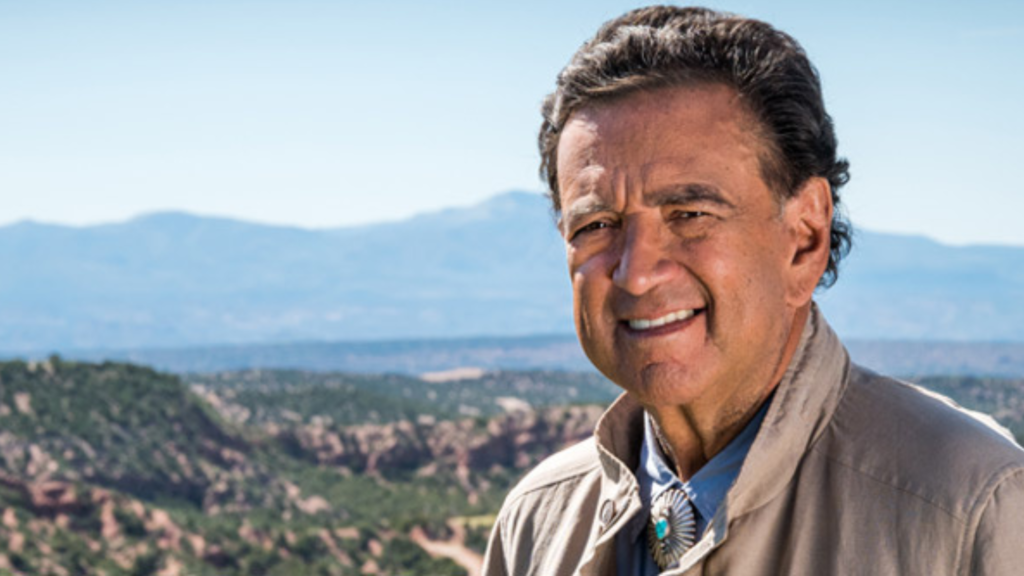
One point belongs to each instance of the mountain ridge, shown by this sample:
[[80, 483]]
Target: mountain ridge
[[177, 280]]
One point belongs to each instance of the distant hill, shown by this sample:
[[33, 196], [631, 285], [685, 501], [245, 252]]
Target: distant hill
[[397, 356], [911, 288], [174, 280], [411, 357], [347, 399]]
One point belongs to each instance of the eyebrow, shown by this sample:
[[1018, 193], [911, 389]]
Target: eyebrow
[[688, 194], [672, 196], [582, 210]]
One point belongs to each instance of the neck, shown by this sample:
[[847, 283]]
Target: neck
[[690, 435]]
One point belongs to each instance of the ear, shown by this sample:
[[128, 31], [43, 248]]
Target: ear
[[808, 216]]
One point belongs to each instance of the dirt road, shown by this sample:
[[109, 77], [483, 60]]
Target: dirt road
[[453, 548]]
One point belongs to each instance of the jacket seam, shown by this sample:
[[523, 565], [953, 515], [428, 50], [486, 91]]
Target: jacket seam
[[979, 507], [891, 485]]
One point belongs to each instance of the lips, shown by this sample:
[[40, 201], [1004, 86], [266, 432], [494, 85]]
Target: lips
[[641, 324]]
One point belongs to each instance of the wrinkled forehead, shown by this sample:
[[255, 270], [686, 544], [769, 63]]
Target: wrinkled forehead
[[658, 130]]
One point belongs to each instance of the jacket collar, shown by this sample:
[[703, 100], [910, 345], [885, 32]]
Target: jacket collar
[[804, 403]]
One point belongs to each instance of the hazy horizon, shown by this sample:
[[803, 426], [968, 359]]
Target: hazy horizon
[[323, 114], [404, 218]]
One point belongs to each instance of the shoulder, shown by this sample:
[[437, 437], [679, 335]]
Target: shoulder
[[915, 417], [565, 484], [999, 524], [566, 467], [918, 442], [547, 518]]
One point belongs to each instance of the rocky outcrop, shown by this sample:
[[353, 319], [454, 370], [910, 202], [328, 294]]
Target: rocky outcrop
[[46, 498], [516, 440], [115, 468]]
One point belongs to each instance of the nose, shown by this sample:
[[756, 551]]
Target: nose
[[644, 260]]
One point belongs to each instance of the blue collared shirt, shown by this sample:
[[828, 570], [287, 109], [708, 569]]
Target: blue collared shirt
[[706, 490]]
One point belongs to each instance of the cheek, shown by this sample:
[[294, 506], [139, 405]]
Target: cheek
[[744, 279], [585, 297], [590, 285], [589, 275]]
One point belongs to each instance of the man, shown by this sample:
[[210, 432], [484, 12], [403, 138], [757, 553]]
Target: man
[[693, 166]]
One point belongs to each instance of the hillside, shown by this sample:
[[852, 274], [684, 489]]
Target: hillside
[[175, 280], [117, 469], [269, 396]]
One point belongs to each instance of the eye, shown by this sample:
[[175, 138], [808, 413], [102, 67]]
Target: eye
[[687, 214], [591, 227]]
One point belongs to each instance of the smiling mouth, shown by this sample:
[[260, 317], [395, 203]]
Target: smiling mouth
[[641, 324]]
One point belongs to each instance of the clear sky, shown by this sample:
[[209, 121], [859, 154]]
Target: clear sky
[[329, 113]]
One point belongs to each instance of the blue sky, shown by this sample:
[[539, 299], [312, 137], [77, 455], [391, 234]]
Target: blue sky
[[318, 114]]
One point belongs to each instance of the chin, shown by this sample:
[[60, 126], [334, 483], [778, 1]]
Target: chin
[[666, 385]]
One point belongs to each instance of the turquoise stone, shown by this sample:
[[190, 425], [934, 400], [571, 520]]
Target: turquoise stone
[[661, 527]]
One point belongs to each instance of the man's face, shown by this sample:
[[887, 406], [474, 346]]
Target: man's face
[[680, 254]]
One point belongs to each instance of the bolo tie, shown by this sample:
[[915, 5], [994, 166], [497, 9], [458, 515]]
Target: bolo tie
[[672, 529]]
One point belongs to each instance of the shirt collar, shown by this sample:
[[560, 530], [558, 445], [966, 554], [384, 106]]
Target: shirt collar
[[708, 487]]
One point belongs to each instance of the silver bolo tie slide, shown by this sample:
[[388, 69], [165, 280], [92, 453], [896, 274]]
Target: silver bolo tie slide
[[672, 529]]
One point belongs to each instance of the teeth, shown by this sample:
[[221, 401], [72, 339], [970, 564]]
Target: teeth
[[641, 324]]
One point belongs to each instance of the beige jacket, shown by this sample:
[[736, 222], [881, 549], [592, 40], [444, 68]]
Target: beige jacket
[[850, 473]]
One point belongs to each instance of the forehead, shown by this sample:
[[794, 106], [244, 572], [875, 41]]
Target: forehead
[[665, 131]]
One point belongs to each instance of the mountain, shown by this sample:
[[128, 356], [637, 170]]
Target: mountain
[[911, 288], [175, 280]]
